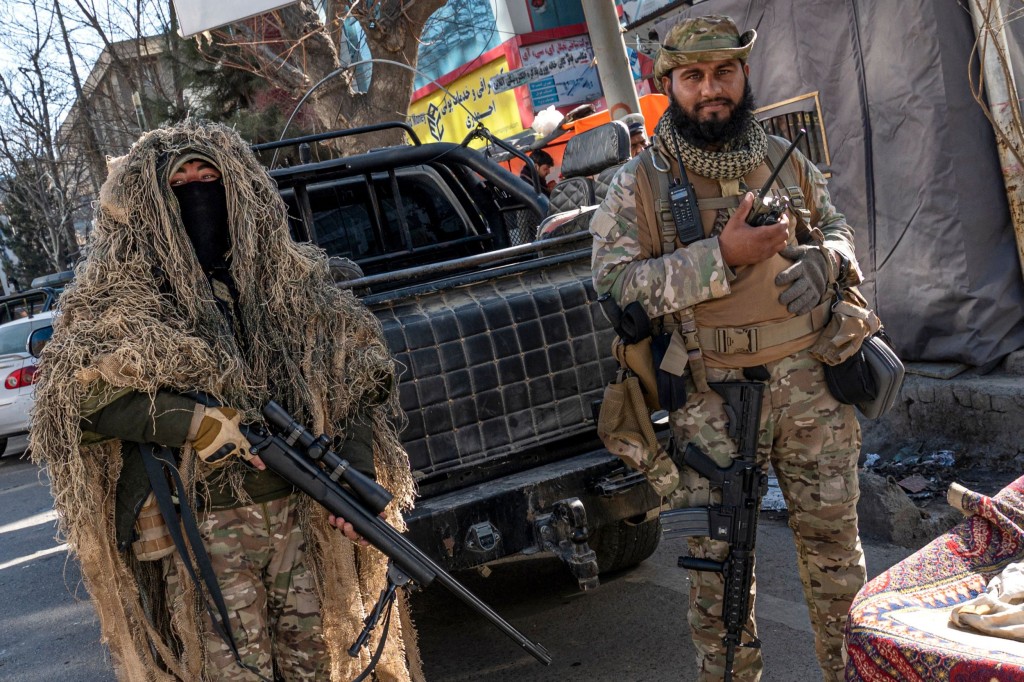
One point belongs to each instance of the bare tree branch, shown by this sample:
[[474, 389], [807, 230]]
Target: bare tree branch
[[281, 45]]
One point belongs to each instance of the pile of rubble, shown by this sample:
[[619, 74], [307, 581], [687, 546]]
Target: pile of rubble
[[903, 497], [922, 475]]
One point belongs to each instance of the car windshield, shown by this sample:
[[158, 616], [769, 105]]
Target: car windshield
[[14, 337]]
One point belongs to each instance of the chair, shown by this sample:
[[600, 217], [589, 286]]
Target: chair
[[598, 151]]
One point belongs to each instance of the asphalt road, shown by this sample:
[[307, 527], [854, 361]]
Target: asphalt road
[[631, 629]]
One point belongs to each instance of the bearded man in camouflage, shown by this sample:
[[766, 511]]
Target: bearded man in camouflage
[[193, 285], [758, 297]]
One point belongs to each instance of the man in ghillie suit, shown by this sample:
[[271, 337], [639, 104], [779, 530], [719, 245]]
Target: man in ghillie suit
[[192, 284]]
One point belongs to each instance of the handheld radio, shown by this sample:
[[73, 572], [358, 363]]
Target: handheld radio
[[682, 202], [767, 208]]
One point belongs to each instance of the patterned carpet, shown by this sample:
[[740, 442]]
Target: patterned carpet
[[899, 624]]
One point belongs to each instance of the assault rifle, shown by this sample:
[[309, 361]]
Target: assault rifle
[[308, 463], [742, 485]]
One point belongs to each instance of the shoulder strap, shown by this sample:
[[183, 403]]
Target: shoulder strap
[[663, 240], [664, 232], [159, 463]]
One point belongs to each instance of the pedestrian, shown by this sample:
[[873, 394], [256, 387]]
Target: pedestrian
[[637, 133], [543, 162], [193, 286], [757, 299]]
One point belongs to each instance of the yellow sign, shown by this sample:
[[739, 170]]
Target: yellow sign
[[450, 116]]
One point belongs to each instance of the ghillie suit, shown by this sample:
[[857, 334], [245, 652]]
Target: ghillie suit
[[141, 316]]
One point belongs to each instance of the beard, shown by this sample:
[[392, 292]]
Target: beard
[[713, 132]]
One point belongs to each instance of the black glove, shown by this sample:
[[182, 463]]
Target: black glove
[[807, 278]]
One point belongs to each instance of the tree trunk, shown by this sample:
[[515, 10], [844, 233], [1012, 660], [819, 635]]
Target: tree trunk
[[309, 53], [94, 155]]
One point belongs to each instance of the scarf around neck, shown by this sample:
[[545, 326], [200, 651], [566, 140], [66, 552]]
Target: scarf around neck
[[738, 157]]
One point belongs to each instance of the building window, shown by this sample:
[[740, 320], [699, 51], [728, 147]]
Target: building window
[[786, 118]]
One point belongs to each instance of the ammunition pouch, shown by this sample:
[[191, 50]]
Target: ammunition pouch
[[624, 426], [154, 538]]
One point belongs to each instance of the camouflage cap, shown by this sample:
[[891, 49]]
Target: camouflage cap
[[702, 39], [185, 157]]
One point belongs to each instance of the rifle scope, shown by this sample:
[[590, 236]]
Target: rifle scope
[[318, 449]]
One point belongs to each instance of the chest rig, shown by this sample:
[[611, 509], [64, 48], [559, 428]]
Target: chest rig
[[663, 238]]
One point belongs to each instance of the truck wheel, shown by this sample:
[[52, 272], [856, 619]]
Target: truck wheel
[[625, 543]]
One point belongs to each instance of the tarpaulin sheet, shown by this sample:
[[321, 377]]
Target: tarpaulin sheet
[[914, 165]]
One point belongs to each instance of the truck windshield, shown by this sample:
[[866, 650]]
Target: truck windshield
[[347, 224]]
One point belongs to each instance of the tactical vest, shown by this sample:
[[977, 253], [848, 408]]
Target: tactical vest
[[661, 238]]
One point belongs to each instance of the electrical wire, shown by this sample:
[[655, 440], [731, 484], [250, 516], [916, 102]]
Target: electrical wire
[[341, 70]]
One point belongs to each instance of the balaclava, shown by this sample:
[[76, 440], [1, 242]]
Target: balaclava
[[204, 214]]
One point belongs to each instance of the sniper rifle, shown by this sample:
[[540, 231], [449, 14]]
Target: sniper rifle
[[308, 463]]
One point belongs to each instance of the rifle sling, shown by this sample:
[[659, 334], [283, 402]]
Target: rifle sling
[[158, 461]]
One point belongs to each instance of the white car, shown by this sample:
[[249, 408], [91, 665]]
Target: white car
[[21, 340]]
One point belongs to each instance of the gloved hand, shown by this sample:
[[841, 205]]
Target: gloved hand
[[218, 430], [807, 278]]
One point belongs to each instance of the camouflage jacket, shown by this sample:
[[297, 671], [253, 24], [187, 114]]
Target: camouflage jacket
[[624, 266], [135, 417]]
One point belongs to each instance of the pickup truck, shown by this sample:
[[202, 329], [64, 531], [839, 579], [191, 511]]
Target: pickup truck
[[504, 347]]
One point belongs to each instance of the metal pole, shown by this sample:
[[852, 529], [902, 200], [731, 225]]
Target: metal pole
[[1003, 104], [612, 62]]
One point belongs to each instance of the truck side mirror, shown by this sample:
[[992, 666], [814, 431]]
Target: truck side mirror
[[38, 339]]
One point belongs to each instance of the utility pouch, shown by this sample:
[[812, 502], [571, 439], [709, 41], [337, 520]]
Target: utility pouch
[[624, 426], [861, 367], [870, 379], [639, 360], [852, 322], [154, 539]]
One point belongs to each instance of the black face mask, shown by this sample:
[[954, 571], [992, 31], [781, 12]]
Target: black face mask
[[204, 212]]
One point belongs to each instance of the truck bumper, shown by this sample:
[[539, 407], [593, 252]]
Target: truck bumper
[[512, 515]]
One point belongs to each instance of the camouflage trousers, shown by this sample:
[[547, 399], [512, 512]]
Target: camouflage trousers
[[812, 442], [258, 556]]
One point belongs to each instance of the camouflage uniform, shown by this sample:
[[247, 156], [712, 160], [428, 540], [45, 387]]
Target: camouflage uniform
[[810, 439], [197, 287], [256, 551], [268, 590], [812, 442]]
